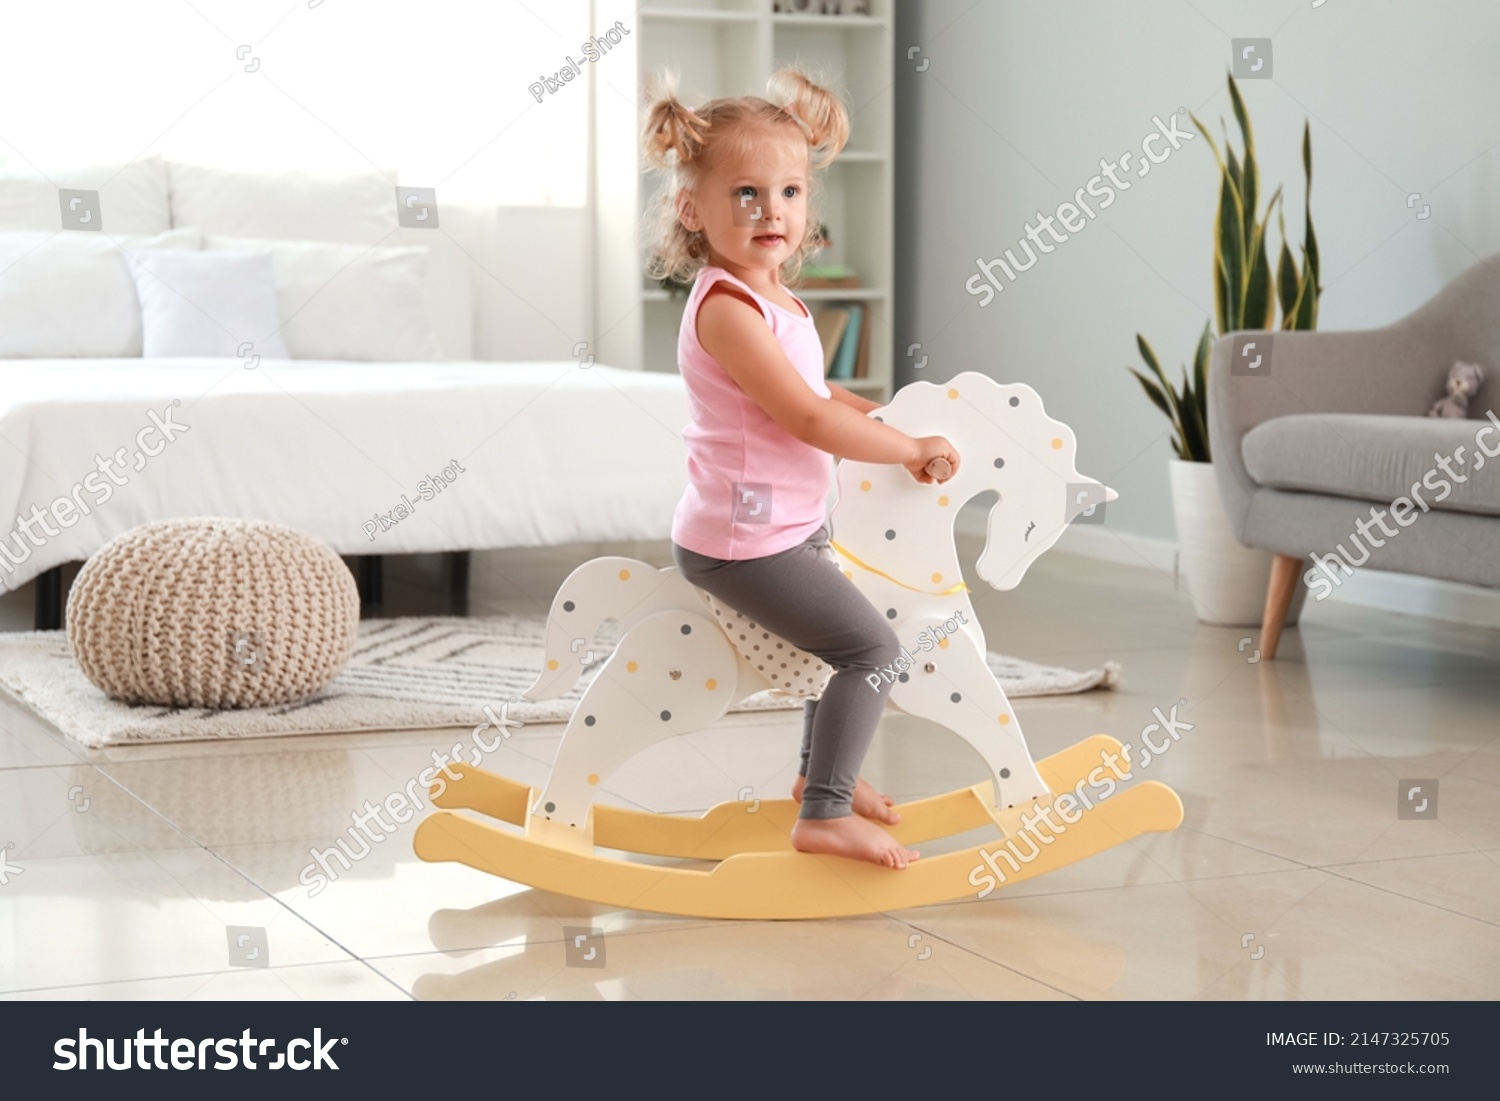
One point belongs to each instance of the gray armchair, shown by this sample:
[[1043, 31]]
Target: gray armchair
[[1313, 446]]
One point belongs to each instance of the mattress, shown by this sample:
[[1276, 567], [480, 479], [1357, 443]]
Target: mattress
[[370, 458]]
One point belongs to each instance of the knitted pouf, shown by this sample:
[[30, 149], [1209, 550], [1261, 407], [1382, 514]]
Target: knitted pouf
[[212, 613]]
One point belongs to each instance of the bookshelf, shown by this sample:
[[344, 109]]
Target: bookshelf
[[724, 48]]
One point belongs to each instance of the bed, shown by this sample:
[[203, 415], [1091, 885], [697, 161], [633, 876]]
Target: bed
[[545, 453], [178, 340]]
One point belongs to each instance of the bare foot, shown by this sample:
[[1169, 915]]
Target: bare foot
[[855, 837], [867, 801]]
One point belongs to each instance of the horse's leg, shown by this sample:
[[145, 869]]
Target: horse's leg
[[953, 686], [673, 673]]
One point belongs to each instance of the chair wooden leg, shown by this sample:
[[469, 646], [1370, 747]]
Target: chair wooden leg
[[1286, 571]]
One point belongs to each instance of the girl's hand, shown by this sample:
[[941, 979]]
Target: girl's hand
[[927, 449]]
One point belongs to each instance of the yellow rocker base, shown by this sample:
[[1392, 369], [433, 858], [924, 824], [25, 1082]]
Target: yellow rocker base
[[758, 875]]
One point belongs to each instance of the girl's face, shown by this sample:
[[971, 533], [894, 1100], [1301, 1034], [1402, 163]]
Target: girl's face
[[753, 208]]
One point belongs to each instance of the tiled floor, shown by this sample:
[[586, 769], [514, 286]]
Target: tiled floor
[[1292, 876]]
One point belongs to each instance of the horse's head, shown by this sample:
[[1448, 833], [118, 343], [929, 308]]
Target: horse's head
[[1008, 444]]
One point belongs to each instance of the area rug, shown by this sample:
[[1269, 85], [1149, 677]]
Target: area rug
[[413, 673]]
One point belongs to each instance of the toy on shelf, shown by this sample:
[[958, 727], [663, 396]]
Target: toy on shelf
[[676, 670]]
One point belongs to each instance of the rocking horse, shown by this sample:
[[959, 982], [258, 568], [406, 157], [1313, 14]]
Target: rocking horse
[[684, 659]]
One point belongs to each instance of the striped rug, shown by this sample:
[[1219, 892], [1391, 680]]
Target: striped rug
[[413, 673]]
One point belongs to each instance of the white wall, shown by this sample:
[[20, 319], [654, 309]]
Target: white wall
[[1020, 100], [531, 271]]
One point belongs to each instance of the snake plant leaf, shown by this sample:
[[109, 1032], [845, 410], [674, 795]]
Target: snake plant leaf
[[1259, 307], [1149, 355], [1250, 182], [1200, 363], [1295, 316], [1221, 274], [1153, 392], [1232, 163], [1169, 393], [1229, 250], [1312, 269], [1209, 137], [1194, 428], [1260, 304], [1288, 282], [1221, 289]]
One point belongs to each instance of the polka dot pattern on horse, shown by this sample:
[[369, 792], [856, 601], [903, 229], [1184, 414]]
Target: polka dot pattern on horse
[[792, 677]]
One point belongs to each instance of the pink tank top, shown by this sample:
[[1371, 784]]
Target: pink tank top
[[753, 488]]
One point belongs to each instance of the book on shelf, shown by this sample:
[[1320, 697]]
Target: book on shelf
[[843, 363], [831, 323], [862, 357]]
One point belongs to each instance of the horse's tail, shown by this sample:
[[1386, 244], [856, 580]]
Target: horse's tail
[[622, 589]]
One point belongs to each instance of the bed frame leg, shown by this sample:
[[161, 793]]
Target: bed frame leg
[[459, 563], [371, 580], [49, 600]]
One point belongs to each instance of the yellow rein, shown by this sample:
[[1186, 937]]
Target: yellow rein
[[844, 551]]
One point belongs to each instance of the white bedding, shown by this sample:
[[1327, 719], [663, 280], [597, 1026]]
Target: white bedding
[[550, 453]]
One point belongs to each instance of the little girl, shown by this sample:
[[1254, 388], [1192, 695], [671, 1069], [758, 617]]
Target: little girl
[[751, 527]]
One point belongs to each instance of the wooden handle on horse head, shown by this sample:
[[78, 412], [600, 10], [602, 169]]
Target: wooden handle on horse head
[[939, 468]]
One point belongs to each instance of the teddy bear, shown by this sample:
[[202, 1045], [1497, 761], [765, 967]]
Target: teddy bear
[[1463, 383]]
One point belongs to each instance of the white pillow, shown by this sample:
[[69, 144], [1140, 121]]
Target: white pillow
[[348, 301], [207, 304], [132, 198], [287, 205], [66, 294], [450, 288]]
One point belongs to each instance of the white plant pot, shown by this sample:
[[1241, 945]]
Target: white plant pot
[[1227, 580]]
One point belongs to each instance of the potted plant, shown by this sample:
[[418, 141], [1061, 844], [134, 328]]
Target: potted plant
[[1228, 580]]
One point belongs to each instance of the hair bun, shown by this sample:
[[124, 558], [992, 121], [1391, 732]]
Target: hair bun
[[819, 112], [673, 133]]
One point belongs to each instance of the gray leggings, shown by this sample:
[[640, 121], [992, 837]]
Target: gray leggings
[[803, 596]]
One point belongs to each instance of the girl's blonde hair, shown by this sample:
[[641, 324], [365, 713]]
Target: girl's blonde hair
[[686, 143]]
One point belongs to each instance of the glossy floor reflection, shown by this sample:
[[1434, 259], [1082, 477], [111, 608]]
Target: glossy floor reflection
[[191, 871]]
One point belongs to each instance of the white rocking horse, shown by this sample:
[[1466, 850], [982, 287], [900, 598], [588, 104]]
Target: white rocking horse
[[684, 659]]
